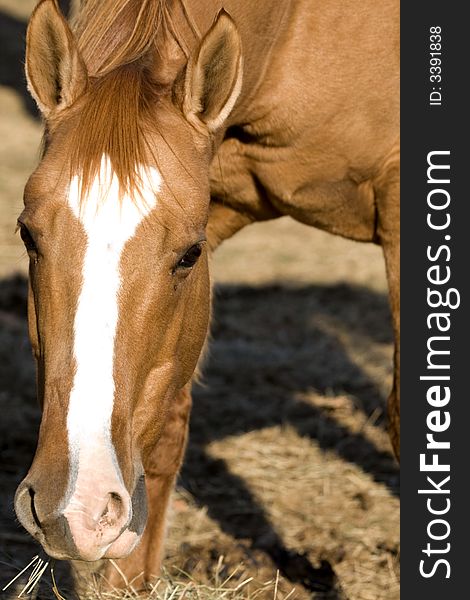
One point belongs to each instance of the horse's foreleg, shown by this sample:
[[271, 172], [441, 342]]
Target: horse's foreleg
[[143, 564], [392, 260], [388, 231]]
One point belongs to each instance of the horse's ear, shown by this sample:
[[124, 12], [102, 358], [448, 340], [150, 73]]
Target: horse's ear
[[55, 71], [214, 75]]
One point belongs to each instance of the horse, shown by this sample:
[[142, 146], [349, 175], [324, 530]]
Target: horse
[[169, 125]]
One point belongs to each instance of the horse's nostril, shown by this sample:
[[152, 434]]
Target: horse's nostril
[[113, 511], [34, 514], [26, 510]]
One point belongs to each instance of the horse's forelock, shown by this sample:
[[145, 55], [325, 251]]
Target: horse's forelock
[[113, 121], [117, 39], [112, 33]]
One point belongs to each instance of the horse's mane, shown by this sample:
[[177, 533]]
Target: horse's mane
[[114, 38], [111, 33]]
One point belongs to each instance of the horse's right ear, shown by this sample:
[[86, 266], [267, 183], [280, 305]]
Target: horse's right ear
[[55, 71]]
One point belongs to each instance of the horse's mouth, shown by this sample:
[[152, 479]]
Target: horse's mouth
[[120, 548]]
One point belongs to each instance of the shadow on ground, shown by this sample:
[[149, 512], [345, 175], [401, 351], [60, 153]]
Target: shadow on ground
[[270, 345]]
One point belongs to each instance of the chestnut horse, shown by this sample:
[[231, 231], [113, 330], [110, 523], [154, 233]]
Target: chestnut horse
[[169, 126]]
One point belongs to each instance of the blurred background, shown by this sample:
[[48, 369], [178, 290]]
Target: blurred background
[[289, 469]]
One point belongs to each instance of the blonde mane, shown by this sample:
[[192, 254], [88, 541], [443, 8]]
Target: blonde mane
[[112, 33], [116, 39]]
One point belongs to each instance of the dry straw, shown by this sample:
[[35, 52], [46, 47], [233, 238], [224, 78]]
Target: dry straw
[[167, 587]]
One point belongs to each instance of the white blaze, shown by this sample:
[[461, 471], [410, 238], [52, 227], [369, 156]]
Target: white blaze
[[109, 223]]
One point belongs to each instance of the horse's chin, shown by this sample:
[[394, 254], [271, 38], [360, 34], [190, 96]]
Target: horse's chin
[[123, 546]]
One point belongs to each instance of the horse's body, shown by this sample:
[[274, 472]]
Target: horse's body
[[291, 111]]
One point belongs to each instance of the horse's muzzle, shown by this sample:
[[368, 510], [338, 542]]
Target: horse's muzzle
[[94, 524]]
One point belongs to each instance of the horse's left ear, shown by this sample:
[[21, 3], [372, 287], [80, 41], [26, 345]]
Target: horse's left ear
[[214, 75]]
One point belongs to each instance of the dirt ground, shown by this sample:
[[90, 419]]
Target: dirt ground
[[289, 468]]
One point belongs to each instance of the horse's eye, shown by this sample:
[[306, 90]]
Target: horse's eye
[[190, 258], [28, 240]]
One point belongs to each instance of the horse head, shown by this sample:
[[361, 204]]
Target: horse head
[[119, 296]]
